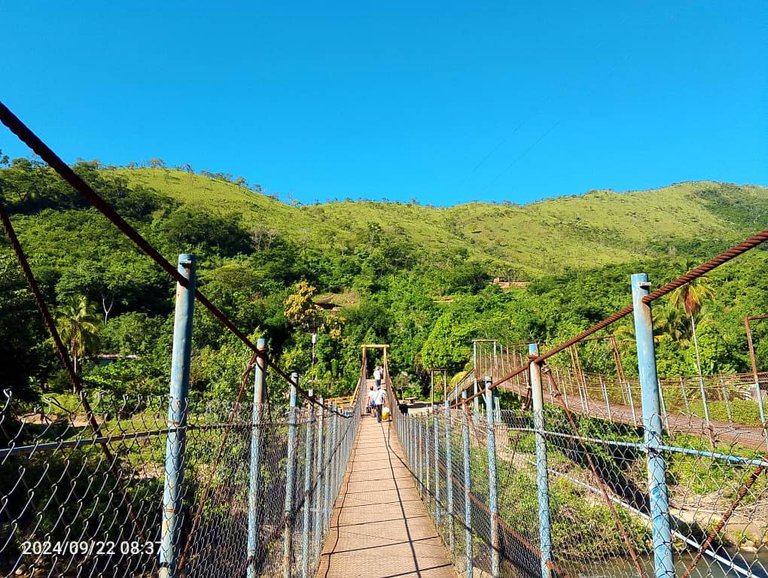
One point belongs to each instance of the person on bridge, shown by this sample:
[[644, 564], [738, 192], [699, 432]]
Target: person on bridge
[[377, 376], [378, 401], [371, 405]]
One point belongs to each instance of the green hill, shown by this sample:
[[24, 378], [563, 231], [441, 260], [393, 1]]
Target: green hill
[[584, 231], [413, 276]]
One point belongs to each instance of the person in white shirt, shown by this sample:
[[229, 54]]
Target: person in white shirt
[[377, 377], [378, 401]]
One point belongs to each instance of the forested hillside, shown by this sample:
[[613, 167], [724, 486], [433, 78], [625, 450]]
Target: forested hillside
[[416, 277]]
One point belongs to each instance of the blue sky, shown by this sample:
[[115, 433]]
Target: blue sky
[[445, 102]]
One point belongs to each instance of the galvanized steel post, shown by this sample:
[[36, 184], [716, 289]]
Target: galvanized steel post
[[493, 501], [605, 397], [657, 484], [327, 506], [664, 405], [173, 492], [427, 465], [632, 404], [339, 451], [758, 393], [449, 476], [467, 488], [407, 440], [725, 399], [436, 428], [330, 492], [419, 460], [542, 475], [476, 400], [290, 481], [309, 495], [335, 452], [254, 486], [701, 379], [321, 483]]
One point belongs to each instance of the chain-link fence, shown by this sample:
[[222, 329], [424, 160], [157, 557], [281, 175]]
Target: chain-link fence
[[82, 488], [483, 486]]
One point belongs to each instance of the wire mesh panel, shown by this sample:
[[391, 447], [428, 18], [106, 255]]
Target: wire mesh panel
[[718, 497], [598, 500], [83, 496]]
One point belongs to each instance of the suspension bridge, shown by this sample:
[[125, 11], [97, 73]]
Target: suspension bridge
[[581, 475]]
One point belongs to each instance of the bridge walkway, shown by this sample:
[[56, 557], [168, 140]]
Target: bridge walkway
[[380, 527], [721, 432]]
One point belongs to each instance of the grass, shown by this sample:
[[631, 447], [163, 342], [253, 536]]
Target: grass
[[744, 412], [594, 229]]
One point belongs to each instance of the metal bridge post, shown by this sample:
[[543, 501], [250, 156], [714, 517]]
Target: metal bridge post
[[753, 361], [335, 455], [327, 469], [632, 404], [683, 387], [467, 488], [173, 492], [426, 443], [290, 481], [254, 486], [605, 397], [449, 476], [330, 491], [542, 473], [663, 404], [436, 428], [321, 482], [725, 399], [340, 437], [409, 440], [476, 400], [419, 464], [493, 501], [412, 443], [309, 495], [657, 484]]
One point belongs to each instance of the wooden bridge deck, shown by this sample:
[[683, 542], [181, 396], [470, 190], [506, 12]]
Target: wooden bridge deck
[[380, 527]]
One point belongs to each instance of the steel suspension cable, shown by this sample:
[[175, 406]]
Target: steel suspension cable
[[708, 266]]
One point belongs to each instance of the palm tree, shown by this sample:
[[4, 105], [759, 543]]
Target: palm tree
[[78, 326], [690, 297], [670, 324]]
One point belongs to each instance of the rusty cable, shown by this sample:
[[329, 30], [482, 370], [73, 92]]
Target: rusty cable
[[708, 266], [42, 150], [74, 379]]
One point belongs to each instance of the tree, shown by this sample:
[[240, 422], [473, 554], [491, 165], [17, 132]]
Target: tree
[[690, 297], [299, 308], [78, 326], [671, 325]]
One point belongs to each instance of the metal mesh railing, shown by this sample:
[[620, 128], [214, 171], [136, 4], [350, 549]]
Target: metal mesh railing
[[600, 521], [74, 503]]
